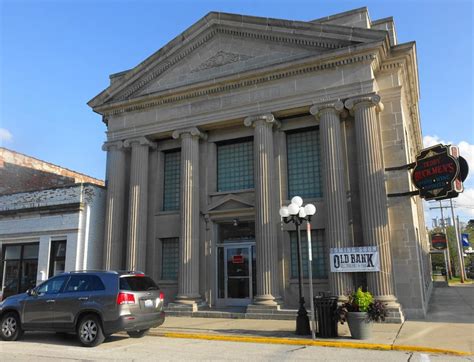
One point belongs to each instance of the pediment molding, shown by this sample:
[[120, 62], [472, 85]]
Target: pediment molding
[[328, 37], [158, 99], [219, 204]]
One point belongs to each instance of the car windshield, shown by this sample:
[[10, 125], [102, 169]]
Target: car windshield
[[137, 283]]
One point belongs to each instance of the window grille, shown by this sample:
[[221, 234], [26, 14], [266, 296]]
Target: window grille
[[170, 258], [319, 264], [172, 178], [304, 164], [235, 166]]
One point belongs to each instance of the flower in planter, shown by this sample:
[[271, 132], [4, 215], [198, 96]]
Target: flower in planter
[[360, 301]]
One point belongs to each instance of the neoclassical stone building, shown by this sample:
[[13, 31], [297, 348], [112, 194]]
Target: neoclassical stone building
[[209, 136]]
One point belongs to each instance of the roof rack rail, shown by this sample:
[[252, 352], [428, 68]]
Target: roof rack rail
[[92, 271], [129, 272]]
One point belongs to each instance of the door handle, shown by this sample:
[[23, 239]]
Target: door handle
[[50, 301], [83, 298]]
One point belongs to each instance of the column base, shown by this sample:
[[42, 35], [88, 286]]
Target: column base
[[187, 303], [394, 309]]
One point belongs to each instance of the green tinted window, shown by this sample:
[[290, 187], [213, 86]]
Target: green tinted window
[[319, 256], [235, 166], [171, 189], [170, 261], [304, 170]]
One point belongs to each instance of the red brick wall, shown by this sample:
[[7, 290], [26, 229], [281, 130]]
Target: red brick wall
[[19, 173]]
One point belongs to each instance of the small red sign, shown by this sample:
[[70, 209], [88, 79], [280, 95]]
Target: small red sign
[[438, 240], [237, 259]]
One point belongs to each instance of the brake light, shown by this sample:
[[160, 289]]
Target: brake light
[[125, 298], [162, 296]]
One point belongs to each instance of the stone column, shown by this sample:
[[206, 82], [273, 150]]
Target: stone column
[[188, 275], [265, 222], [375, 227], [138, 203], [114, 208], [337, 224]]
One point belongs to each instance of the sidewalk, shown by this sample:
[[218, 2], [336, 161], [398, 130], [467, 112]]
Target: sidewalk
[[448, 328]]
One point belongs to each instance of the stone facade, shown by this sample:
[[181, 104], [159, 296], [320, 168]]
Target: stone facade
[[231, 77]]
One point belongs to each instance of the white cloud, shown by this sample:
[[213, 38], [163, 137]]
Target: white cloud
[[5, 135]]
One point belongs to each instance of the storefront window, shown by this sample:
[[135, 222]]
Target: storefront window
[[235, 165], [319, 264], [304, 164], [57, 260], [19, 268]]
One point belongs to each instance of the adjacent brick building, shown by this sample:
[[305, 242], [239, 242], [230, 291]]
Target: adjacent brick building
[[51, 220]]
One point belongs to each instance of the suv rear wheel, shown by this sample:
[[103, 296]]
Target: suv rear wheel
[[89, 331], [10, 327], [138, 334]]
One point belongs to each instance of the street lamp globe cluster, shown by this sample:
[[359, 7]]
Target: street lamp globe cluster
[[297, 213]]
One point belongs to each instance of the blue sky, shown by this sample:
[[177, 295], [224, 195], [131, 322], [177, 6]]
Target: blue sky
[[56, 55]]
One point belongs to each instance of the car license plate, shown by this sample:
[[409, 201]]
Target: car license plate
[[148, 303]]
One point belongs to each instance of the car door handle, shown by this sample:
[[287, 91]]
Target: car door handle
[[50, 301], [83, 298]]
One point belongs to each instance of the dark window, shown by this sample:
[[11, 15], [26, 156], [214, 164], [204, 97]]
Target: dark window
[[235, 165], [18, 268], [57, 258], [319, 264], [170, 260], [84, 283], [304, 163], [172, 177], [52, 286], [137, 283]]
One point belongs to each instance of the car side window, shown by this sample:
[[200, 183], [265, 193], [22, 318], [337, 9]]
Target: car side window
[[84, 283], [51, 286]]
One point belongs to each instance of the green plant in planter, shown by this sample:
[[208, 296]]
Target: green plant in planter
[[360, 301]]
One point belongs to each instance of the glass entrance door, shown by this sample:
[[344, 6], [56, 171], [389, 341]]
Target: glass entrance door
[[236, 274]]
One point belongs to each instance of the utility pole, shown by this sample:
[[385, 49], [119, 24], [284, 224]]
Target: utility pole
[[447, 260], [460, 248]]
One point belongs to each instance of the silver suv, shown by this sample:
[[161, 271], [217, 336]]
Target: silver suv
[[93, 304]]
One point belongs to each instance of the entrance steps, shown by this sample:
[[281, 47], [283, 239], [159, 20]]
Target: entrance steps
[[234, 313]]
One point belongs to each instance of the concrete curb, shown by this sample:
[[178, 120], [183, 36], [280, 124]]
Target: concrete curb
[[303, 342]]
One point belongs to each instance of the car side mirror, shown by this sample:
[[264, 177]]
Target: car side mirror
[[32, 292]]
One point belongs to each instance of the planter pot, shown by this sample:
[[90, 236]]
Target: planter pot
[[359, 326]]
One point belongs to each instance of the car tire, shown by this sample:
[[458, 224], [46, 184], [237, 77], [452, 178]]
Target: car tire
[[10, 327], [138, 334], [89, 331]]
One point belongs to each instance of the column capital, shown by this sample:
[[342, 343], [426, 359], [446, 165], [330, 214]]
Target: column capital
[[108, 145], [368, 100], [192, 131], [142, 141], [318, 109], [266, 118]]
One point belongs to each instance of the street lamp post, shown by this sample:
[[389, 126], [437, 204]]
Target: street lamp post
[[297, 213]]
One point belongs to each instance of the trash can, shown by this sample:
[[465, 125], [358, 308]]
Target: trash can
[[326, 307]]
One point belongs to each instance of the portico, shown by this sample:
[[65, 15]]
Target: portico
[[213, 133]]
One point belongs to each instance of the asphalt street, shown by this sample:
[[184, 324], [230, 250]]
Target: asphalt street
[[48, 346]]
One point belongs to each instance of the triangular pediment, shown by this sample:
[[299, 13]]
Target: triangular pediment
[[222, 45], [229, 202]]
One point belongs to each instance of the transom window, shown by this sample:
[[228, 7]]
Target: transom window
[[235, 165], [304, 163], [319, 264], [172, 177], [170, 261]]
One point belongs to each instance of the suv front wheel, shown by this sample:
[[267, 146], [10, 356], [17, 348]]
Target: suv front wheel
[[10, 327], [90, 331]]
